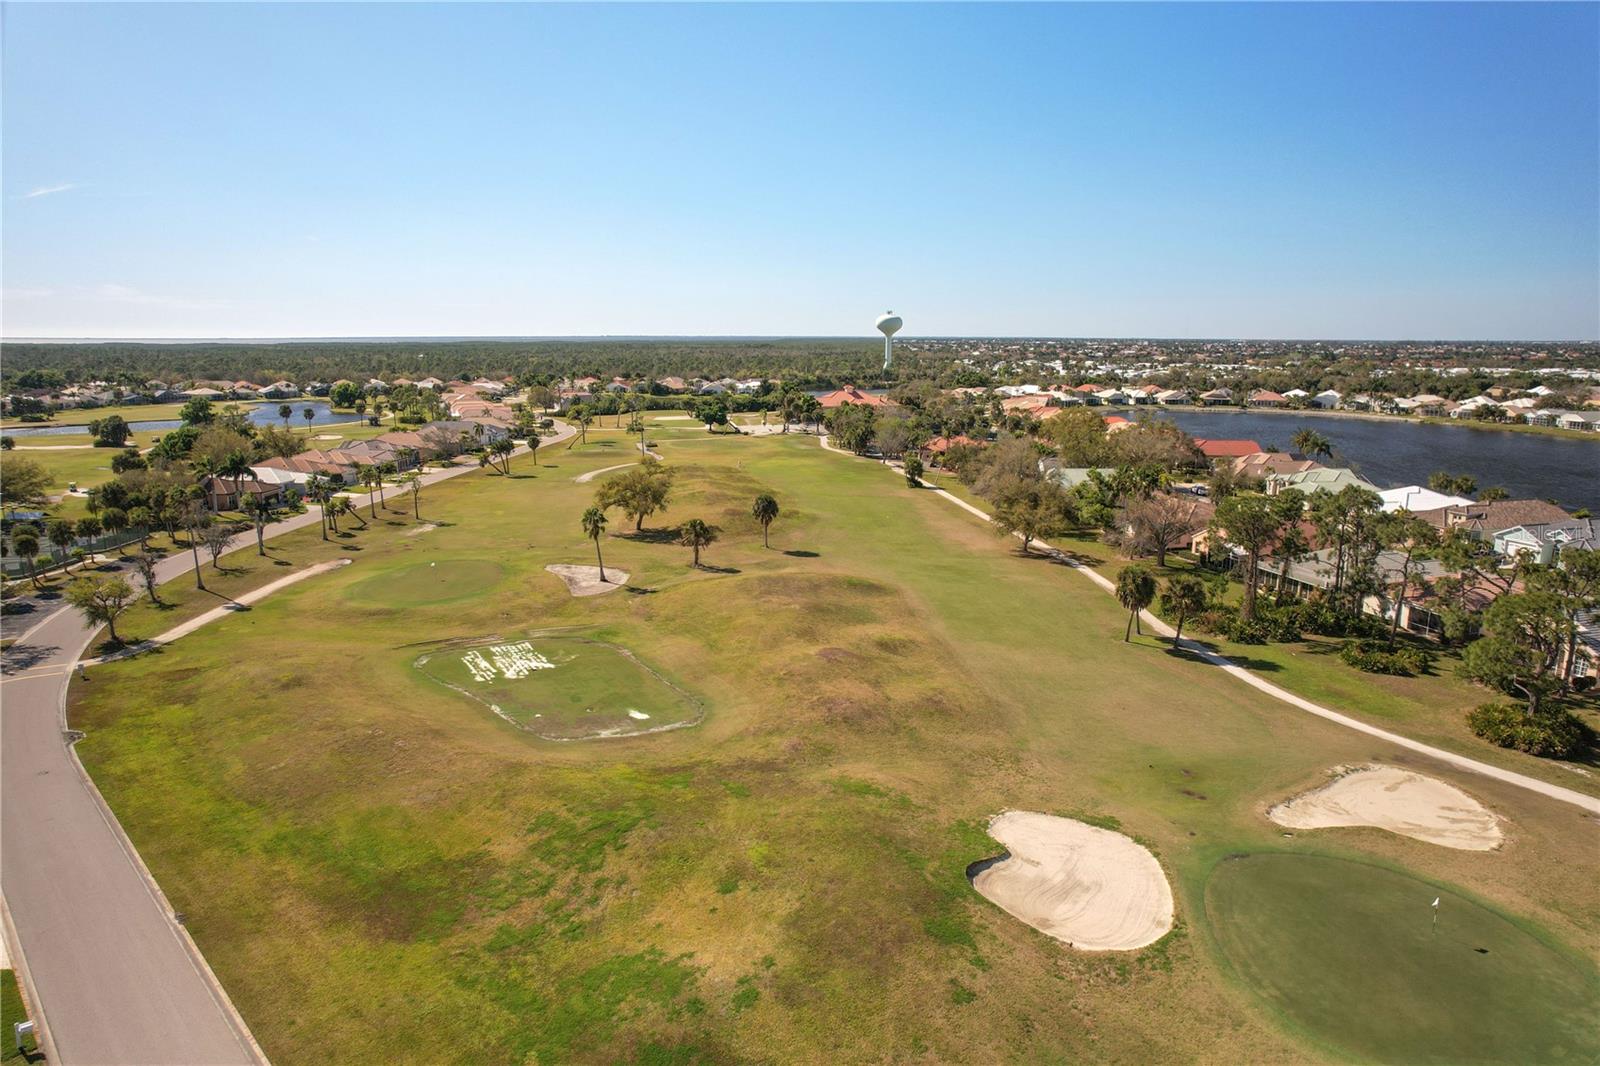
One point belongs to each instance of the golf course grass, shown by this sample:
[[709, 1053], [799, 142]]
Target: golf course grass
[[1351, 953], [564, 688], [381, 870], [428, 583]]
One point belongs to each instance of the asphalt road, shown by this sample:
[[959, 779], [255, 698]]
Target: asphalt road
[[112, 976]]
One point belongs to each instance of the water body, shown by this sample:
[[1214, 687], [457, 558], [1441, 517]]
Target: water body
[[1389, 453], [262, 414]]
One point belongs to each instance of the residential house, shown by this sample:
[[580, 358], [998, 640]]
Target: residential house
[[1314, 574], [1583, 421], [1322, 479], [226, 494], [1266, 398], [1296, 395], [1416, 498], [280, 390], [1482, 521], [1327, 399], [1226, 449], [1258, 466], [1216, 398], [850, 394], [1173, 396], [1543, 543]]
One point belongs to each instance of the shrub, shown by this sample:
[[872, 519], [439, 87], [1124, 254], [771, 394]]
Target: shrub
[[1376, 658], [1551, 734], [1316, 616], [1583, 684]]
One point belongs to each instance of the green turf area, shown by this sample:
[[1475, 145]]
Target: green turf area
[[564, 688], [1350, 952], [428, 583], [10, 1013], [374, 863]]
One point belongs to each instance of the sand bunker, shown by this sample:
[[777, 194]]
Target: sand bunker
[[1091, 888], [585, 580], [1400, 801], [426, 527]]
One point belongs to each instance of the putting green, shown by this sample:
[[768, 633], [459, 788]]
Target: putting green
[[564, 688], [421, 584], [1348, 953]]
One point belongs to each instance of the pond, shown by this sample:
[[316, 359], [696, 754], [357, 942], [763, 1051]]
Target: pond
[[259, 414], [1390, 452]]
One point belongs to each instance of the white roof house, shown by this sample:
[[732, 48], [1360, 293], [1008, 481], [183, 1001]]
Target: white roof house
[[1328, 398], [1418, 498]]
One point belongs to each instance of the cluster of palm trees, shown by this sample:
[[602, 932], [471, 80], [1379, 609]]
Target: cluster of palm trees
[[696, 534], [1183, 597]]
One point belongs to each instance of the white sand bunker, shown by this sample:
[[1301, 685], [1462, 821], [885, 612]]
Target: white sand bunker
[[416, 531], [1091, 888], [585, 580], [1400, 801]]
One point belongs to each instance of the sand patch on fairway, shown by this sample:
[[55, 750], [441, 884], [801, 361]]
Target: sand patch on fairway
[[1401, 801], [329, 436], [426, 527], [1093, 889], [585, 580]]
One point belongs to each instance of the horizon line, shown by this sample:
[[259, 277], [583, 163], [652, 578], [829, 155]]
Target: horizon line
[[515, 338]]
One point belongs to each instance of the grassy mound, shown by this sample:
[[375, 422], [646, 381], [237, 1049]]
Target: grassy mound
[[564, 688], [424, 584], [1348, 952]]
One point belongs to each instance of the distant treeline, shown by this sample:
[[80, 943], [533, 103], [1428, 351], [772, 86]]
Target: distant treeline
[[802, 363]]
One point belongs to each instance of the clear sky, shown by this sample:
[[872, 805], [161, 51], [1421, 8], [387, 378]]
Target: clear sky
[[1272, 170]]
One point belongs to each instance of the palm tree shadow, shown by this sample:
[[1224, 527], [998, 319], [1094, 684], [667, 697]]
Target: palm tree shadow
[[801, 554], [650, 536], [720, 569]]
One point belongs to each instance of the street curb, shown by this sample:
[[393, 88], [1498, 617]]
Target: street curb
[[30, 995]]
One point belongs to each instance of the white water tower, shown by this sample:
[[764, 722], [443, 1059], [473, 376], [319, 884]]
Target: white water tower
[[888, 324]]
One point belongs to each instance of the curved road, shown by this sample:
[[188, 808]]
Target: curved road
[[111, 975]]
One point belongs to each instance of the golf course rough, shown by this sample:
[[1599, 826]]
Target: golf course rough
[[1357, 957], [1091, 888], [563, 687]]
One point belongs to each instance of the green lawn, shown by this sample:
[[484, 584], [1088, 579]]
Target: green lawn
[[1352, 953], [11, 1012], [375, 863]]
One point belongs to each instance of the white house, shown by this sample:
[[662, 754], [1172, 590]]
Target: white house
[[1416, 498], [1327, 399]]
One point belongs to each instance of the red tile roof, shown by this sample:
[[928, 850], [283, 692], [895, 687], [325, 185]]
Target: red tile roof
[[1226, 449], [851, 394]]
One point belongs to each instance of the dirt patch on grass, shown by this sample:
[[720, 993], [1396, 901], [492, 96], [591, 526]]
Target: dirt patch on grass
[[1401, 801], [585, 580], [1090, 888], [426, 527]]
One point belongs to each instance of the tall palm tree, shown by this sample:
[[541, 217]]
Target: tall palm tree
[[372, 480], [114, 520], [285, 412], [26, 545], [594, 524], [414, 483], [308, 414], [144, 520], [1311, 443], [765, 510], [1136, 590], [695, 534], [260, 511], [1183, 598], [235, 467], [533, 448]]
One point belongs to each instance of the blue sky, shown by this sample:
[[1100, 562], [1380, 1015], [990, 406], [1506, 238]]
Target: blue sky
[[1273, 170]]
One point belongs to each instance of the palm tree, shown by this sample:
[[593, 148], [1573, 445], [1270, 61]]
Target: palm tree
[[308, 414], [1311, 443], [765, 510], [503, 448], [1136, 590], [347, 506], [114, 520], [695, 534], [260, 510], [594, 524], [373, 480], [414, 484], [285, 412], [236, 467], [26, 544], [1183, 598], [196, 518], [61, 534], [143, 519], [533, 448]]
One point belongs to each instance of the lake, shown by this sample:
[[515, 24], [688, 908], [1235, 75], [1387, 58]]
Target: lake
[[1390, 453], [259, 414]]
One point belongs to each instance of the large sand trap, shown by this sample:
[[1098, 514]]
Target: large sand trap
[[585, 580], [1092, 888], [1400, 801]]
